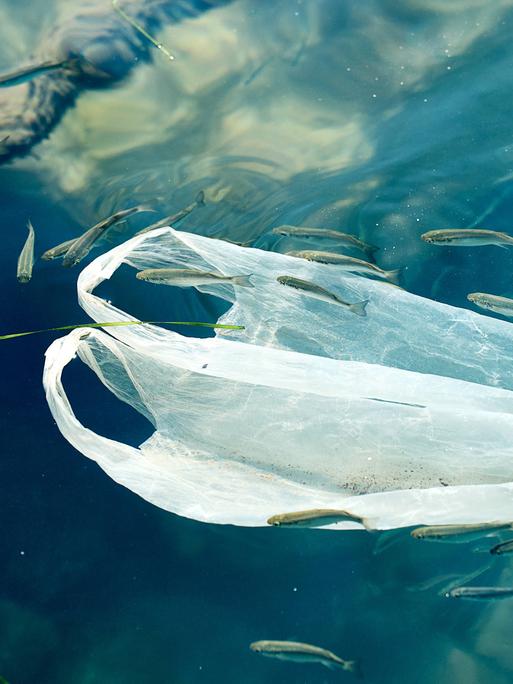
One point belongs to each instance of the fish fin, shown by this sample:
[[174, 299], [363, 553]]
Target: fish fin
[[369, 250], [502, 246], [359, 307], [243, 280], [393, 276], [355, 667], [369, 524], [200, 198]]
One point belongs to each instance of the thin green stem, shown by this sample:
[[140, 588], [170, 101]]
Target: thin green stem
[[120, 323], [141, 30]]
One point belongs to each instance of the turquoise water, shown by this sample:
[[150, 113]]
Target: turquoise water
[[385, 119]]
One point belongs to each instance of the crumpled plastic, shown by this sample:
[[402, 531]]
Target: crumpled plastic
[[403, 417]]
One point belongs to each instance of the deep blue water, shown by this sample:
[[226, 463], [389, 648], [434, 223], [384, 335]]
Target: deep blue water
[[382, 118]]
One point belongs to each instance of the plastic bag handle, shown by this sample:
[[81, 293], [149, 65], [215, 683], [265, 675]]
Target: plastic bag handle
[[108, 453]]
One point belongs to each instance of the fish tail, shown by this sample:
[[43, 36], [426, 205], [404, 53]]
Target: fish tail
[[369, 524], [393, 276], [200, 198], [359, 307], [355, 667], [243, 280]]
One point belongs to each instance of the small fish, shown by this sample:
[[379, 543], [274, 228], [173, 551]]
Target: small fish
[[347, 263], [317, 292], [467, 237], [500, 305], [82, 245], [26, 258], [454, 532], [343, 238], [24, 74], [172, 219], [316, 517], [303, 653], [504, 547], [480, 593], [58, 250], [189, 277]]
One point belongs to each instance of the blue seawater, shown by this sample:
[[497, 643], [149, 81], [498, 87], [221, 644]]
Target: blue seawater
[[383, 118]]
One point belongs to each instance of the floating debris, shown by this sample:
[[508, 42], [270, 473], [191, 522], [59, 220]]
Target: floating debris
[[467, 237], [121, 323], [317, 292], [141, 30], [26, 258], [189, 277], [298, 652]]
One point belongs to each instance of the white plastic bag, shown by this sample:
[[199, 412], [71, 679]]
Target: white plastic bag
[[401, 417]]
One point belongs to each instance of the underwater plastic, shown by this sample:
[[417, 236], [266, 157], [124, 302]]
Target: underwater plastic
[[404, 417]]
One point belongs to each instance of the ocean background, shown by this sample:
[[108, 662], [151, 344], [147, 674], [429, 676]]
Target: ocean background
[[381, 118]]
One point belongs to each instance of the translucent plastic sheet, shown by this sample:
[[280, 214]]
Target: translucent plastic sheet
[[402, 417]]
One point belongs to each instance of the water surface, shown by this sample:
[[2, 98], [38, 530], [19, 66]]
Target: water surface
[[382, 118]]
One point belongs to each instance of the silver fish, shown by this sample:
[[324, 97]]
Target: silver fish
[[500, 305], [170, 220], [504, 547], [189, 277], [347, 263], [343, 238], [296, 651], [58, 250], [317, 292], [315, 517], [82, 245], [26, 258], [456, 533], [467, 237], [481, 593], [27, 73]]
